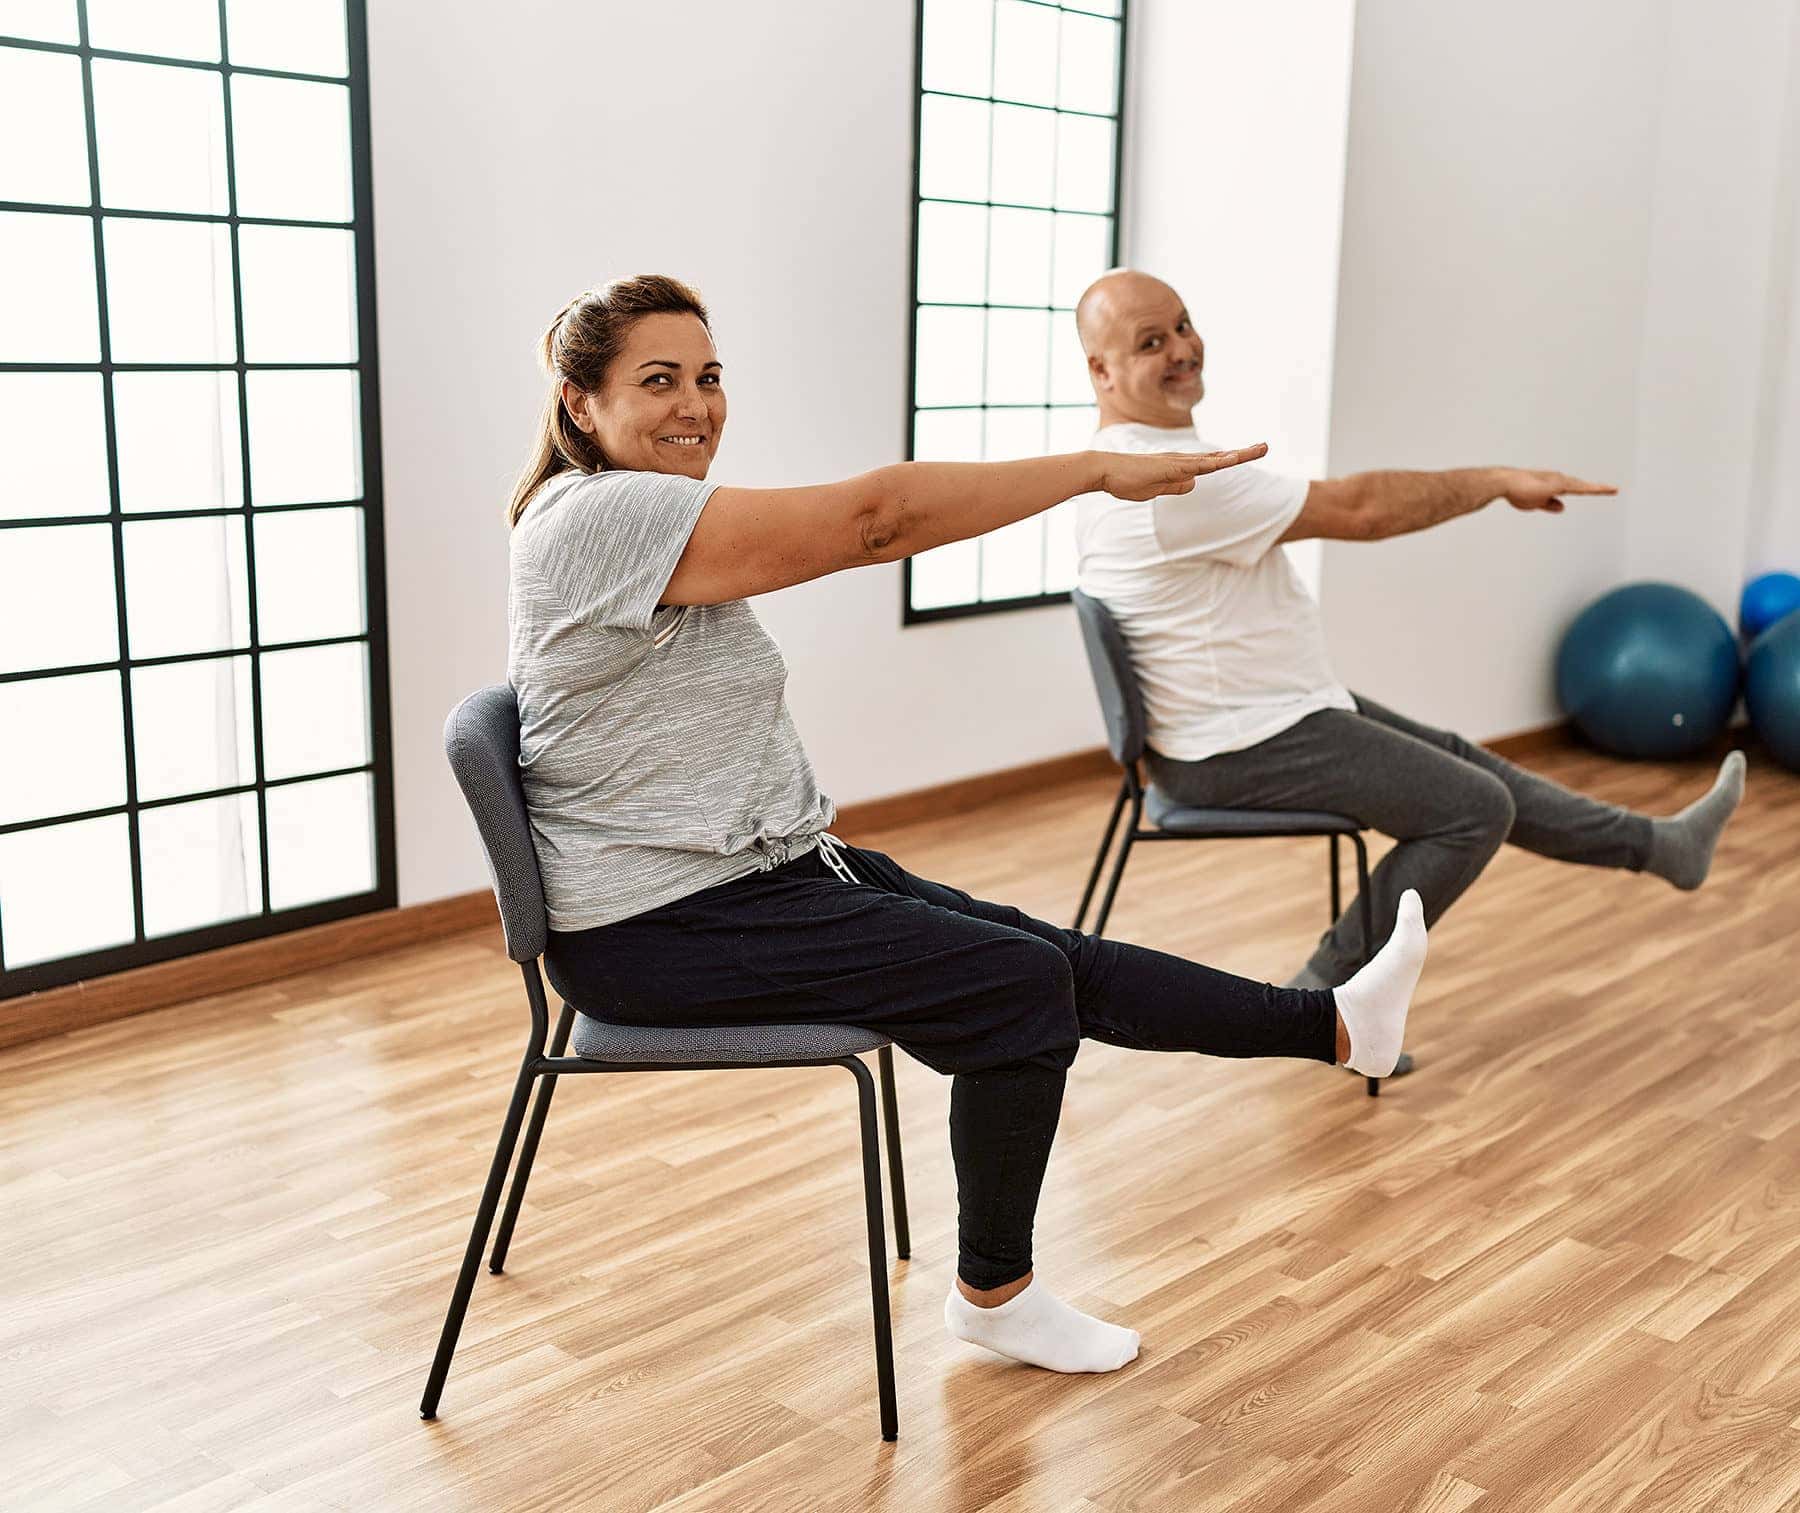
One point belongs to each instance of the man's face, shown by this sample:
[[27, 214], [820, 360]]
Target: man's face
[[1149, 362]]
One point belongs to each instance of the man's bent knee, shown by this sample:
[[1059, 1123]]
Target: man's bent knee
[[1490, 811]]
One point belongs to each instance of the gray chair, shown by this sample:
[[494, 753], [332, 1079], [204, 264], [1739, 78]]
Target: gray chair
[[481, 738], [1109, 659]]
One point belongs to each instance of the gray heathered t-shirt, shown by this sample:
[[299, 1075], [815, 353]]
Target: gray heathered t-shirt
[[655, 744]]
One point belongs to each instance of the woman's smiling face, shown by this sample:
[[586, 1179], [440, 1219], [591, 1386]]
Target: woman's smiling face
[[661, 407]]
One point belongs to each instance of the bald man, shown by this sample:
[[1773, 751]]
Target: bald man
[[1243, 710]]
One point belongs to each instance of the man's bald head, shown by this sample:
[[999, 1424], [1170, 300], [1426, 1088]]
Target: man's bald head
[[1144, 359], [1116, 293]]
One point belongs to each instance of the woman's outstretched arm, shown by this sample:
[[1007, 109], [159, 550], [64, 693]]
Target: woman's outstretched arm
[[751, 541]]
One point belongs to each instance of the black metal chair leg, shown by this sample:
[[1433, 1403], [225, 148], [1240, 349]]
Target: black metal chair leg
[[890, 1109], [1106, 840], [1367, 905], [1112, 885], [528, 1151], [878, 1291], [1337, 892], [484, 1218], [1118, 871]]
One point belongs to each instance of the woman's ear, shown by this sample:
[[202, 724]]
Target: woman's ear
[[574, 400]]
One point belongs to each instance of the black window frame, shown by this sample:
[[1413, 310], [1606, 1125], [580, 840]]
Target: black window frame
[[265, 921], [908, 615]]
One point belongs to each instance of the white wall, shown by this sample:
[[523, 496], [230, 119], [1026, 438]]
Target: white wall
[[524, 152], [1469, 291], [1235, 182], [1495, 232], [1774, 534], [1568, 242], [1714, 328]]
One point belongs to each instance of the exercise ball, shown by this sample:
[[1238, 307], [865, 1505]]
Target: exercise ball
[[1648, 670], [1767, 599], [1772, 690]]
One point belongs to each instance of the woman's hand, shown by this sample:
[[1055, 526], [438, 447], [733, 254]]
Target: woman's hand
[[1148, 475]]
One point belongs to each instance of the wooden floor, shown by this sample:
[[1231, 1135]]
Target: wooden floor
[[1558, 1268]]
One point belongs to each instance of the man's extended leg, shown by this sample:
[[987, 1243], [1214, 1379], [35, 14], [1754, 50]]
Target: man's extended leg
[[1556, 822], [1448, 814]]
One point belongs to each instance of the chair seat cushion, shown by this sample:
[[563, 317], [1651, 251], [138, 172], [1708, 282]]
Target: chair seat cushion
[[750, 1044], [1165, 814]]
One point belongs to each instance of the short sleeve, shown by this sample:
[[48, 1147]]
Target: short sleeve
[[1233, 516], [608, 544]]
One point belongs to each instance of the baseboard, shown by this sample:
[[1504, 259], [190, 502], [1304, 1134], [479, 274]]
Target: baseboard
[[1559, 735], [964, 794], [55, 1011]]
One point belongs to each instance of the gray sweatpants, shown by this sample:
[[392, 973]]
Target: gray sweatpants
[[1448, 802]]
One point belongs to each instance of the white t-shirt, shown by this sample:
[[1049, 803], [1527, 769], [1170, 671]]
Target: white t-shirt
[[1226, 641]]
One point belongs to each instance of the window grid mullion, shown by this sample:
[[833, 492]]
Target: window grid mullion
[[107, 811], [1073, 10], [33, 522], [115, 55], [1049, 405], [987, 256], [994, 99], [1060, 404], [969, 304], [1117, 215], [1050, 325], [180, 367], [171, 659], [119, 212], [950, 199], [248, 486], [115, 514]]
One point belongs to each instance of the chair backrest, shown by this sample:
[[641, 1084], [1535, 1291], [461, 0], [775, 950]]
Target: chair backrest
[[481, 738], [1109, 659]]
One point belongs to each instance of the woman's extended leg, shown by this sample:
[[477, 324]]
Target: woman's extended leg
[[1152, 1001], [985, 994]]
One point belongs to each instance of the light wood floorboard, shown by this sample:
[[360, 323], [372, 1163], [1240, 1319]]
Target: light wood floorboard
[[1559, 1268]]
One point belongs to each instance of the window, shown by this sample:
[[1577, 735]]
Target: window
[[193, 665], [1016, 213]]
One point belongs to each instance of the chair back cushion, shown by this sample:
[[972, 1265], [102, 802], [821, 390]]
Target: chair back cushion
[[481, 738], [1110, 661]]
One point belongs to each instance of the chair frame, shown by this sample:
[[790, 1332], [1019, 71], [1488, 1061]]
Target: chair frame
[[543, 1070], [1132, 791]]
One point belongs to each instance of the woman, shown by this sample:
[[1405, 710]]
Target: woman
[[682, 838]]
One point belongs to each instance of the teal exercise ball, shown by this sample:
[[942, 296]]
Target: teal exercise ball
[[1648, 670], [1768, 599], [1772, 690]]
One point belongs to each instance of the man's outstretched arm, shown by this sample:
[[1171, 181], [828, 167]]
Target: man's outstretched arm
[[1374, 506]]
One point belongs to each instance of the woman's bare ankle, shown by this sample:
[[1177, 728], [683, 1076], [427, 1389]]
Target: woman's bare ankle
[[993, 1297]]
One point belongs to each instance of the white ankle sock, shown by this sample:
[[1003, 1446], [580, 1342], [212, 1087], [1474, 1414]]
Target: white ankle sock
[[1038, 1328], [1374, 1002]]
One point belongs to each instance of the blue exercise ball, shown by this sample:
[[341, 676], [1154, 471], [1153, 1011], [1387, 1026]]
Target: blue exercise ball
[[1772, 690], [1767, 599], [1648, 670]]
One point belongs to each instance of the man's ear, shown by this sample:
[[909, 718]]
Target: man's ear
[[1098, 375]]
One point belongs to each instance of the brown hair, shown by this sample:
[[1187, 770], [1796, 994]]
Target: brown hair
[[580, 345]]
